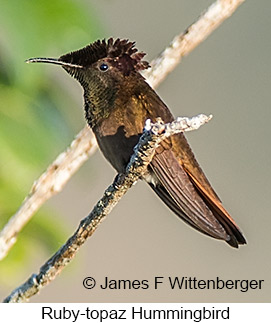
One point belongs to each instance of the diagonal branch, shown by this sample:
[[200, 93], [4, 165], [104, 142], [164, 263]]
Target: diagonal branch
[[61, 170], [50, 183], [152, 135], [185, 42]]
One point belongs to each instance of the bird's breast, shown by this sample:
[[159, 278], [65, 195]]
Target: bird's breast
[[117, 147]]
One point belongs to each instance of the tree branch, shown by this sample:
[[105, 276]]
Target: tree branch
[[184, 43], [67, 163], [50, 183], [152, 135]]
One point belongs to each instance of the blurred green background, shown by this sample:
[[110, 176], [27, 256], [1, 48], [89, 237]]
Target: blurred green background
[[35, 123], [41, 111]]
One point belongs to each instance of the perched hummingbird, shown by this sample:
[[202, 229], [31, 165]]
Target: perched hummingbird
[[118, 101]]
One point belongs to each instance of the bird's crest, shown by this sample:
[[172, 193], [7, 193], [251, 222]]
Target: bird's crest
[[121, 54]]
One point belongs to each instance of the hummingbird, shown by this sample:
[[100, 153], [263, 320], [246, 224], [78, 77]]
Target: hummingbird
[[117, 102]]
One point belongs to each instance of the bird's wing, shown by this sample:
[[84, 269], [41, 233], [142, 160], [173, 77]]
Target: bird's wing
[[175, 188], [182, 185], [185, 195], [220, 213], [154, 108]]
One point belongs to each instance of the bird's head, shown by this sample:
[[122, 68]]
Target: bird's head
[[101, 68]]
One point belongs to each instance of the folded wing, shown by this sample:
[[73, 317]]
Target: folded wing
[[190, 201]]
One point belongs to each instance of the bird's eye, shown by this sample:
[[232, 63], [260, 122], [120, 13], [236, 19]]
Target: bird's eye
[[103, 67]]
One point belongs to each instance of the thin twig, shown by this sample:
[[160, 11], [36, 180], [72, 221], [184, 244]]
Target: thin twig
[[185, 42], [61, 170], [50, 183], [152, 135]]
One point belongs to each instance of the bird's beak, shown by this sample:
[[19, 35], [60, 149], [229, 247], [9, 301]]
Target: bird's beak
[[52, 61]]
